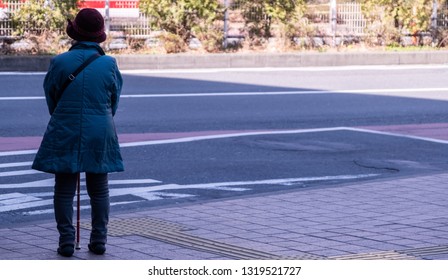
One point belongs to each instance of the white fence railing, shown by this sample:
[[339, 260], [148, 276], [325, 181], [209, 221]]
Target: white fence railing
[[350, 20], [6, 28], [124, 15], [139, 27]]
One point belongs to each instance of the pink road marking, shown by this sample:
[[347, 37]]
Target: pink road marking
[[19, 143]]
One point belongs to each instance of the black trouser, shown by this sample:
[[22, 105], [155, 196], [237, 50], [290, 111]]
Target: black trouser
[[64, 193]]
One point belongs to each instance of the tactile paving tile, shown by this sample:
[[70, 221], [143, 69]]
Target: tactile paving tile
[[407, 254], [426, 251], [383, 255], [141, 226], [175, 234], [304, 256]]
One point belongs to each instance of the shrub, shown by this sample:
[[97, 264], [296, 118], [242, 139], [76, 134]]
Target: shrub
[[212, 39], [183, 18], [393, 18], [268, 18], [173, 43], [39, 16]]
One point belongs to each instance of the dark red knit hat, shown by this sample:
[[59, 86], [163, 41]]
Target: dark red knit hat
[[87, 26]]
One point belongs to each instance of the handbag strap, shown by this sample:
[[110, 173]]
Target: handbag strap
[[73, 75]]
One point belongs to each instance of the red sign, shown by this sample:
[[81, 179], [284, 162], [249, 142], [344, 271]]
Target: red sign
[[117, 8], [113, 4], [129, 4], [5, 5]]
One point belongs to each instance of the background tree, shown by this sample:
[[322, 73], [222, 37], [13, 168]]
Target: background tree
[[68, 8], [41, 16]]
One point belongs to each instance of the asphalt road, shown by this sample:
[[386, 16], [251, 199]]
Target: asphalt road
[[194, 135]]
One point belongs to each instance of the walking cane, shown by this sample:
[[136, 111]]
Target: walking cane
[[78, 212]]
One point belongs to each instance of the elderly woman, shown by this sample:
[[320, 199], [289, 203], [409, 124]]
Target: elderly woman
[[80, 135]]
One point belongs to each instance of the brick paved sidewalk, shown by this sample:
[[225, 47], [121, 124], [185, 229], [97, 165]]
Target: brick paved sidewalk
[[403, 218]]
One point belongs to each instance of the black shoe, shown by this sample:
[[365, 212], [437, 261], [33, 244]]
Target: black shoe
[[66, 250], [97, 248]]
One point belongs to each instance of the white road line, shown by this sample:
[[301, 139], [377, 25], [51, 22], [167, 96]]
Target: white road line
[[7, 196], [44, 202], [427, 139], [17, 201], [9, 73], [298, 131], [50, 183], [243, 134], [18, 173], [16, 198], [16, 164], [255, 93], [219, 185], [299, 92], [196, 138], [83, 207], [246, 93], [199, 94], [261, 69], [33, 184], [269, 182], [151, 196], [229, 135], [135, 181], [18, 153], [12, 98], [288, 69], [47, 194]]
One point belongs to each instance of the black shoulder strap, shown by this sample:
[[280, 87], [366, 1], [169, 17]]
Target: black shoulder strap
[[73, 75]]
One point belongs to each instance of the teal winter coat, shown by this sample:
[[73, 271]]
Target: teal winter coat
[[80, 135]]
